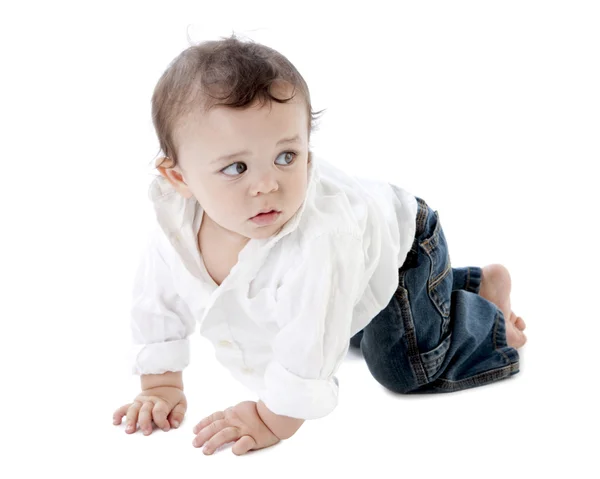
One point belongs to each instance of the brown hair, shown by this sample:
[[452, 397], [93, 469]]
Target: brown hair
[[242, 71]]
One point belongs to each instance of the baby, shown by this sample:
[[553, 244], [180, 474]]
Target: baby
[[286, 264]]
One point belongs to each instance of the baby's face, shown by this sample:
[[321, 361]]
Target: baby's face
[[268, 174]]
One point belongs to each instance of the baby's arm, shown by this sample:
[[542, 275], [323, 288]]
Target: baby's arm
[[283, 427], [161, 325]]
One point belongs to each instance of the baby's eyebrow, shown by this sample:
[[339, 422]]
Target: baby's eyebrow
[[231, 156]]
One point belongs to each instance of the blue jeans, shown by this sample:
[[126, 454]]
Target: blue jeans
[[436, 334]]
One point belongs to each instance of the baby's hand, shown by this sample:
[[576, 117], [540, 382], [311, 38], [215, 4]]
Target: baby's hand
[[240, 423], [165, 405]]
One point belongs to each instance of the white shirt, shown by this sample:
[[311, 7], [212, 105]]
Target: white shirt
[[282, 320]]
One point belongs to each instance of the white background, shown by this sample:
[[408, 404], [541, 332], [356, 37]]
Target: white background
[[490, 111]]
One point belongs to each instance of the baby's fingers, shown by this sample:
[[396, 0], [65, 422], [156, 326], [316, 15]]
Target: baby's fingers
[[208, 420], [119, 413], [145, 417], [160, 412], [176, 416], [132, 416]]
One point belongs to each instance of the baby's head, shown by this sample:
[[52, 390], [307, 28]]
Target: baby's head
[[226, 97]]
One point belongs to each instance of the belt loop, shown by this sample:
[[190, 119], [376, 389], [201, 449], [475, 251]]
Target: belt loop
[[422, 213]]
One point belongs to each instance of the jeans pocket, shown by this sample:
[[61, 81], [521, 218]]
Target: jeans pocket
[[432, 360], [439, 282]]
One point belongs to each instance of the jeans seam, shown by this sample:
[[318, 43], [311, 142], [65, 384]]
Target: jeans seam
[[495, 331], [440, 277], [414, 355], [499, 314], [478, 379], [421, 216]]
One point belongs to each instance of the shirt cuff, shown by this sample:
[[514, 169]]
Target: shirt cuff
[[287, 394], [158, 358]]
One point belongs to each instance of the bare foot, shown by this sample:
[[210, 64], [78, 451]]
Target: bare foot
[[495, 287]]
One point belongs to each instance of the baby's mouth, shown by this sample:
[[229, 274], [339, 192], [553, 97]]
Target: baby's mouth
[[265, 213]]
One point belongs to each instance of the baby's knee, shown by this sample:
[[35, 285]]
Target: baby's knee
[[394, 376]]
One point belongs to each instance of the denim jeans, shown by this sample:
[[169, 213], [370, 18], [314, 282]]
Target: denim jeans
[[436, 334]]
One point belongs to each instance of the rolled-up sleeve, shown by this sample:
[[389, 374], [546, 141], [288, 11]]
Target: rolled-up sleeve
[[160, 321], [315, 303]]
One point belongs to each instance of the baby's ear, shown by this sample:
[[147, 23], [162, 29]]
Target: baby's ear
[[164, 161], [173, 175]]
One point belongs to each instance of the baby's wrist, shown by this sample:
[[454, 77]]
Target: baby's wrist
[[167, 379], [283, 427]]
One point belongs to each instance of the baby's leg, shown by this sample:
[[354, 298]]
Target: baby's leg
[[495, 287], [492, 283], [439, 334], [468, 278]]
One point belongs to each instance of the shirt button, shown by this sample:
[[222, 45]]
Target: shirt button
[[225, 344], [247, 370]]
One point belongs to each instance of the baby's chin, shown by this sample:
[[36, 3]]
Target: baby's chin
[[264, 232]]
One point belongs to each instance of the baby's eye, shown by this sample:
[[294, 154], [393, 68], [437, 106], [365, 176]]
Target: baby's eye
[[293, 155], [239, 167]]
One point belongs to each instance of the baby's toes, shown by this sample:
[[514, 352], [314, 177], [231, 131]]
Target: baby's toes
[[517, 321], [514, 337]]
